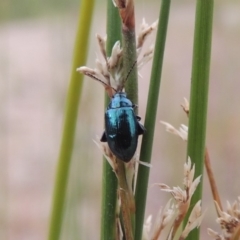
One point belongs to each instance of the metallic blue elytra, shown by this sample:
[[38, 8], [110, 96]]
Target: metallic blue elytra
[[122, 127]]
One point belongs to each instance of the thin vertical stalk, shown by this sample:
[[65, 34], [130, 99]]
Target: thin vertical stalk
[[150, 119], [212, 181], [72, 101], [126, 11], [129, 58], [126, 208], [109, 180], [129, 49], [199, 93]]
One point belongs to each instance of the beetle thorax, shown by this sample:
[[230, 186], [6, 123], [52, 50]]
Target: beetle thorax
[[120, 100]]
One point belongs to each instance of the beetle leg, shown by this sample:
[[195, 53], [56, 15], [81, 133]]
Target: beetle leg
[[103, 138], [134, 106], [141, 129]]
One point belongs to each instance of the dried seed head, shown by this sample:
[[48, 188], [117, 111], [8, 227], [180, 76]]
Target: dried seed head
[[189, 171], [102, 45], [215, 235], [107, 154], [185, 106], [110, 71], [115, 56], [190, 185], [182, 132], [147, 228], [229, 221], [119, 233], [168, 213], [145, 31], [149, 165], [120, 3], [183, 199], [130, 173], [163, 219], [114, 3], [147, 56], [194, 220]]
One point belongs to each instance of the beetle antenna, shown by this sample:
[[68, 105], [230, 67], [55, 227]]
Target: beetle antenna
[[129, 72], [101, 81]]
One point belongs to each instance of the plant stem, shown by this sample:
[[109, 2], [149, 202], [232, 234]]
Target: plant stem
[[129, 58], [125, 197], [126, 11], [150, 119], [199, 93], [212, 181], [129, 49], [72, 101], [210, 175], [109, 180]]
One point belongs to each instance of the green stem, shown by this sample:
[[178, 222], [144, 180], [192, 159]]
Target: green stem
[[109, 180], [125, 195], [71, 110], [129, 58], [199, 93], [147, 141], [129, 50], [131, 87]]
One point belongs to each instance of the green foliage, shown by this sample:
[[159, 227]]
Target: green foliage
[[147, 141], [199, 92], [71, 110], [109, 181]]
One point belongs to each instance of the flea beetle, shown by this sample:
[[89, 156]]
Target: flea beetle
[[122, 127]]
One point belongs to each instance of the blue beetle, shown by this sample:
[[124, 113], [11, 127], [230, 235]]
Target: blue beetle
[[122, 127]]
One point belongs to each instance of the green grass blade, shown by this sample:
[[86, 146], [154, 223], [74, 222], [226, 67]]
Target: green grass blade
[[109, 180], [71, 110], [129, 57], [199, 92], [147, 141], [131, 88]]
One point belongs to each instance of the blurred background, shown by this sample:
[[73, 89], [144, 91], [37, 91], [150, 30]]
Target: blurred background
[[36, 44]]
